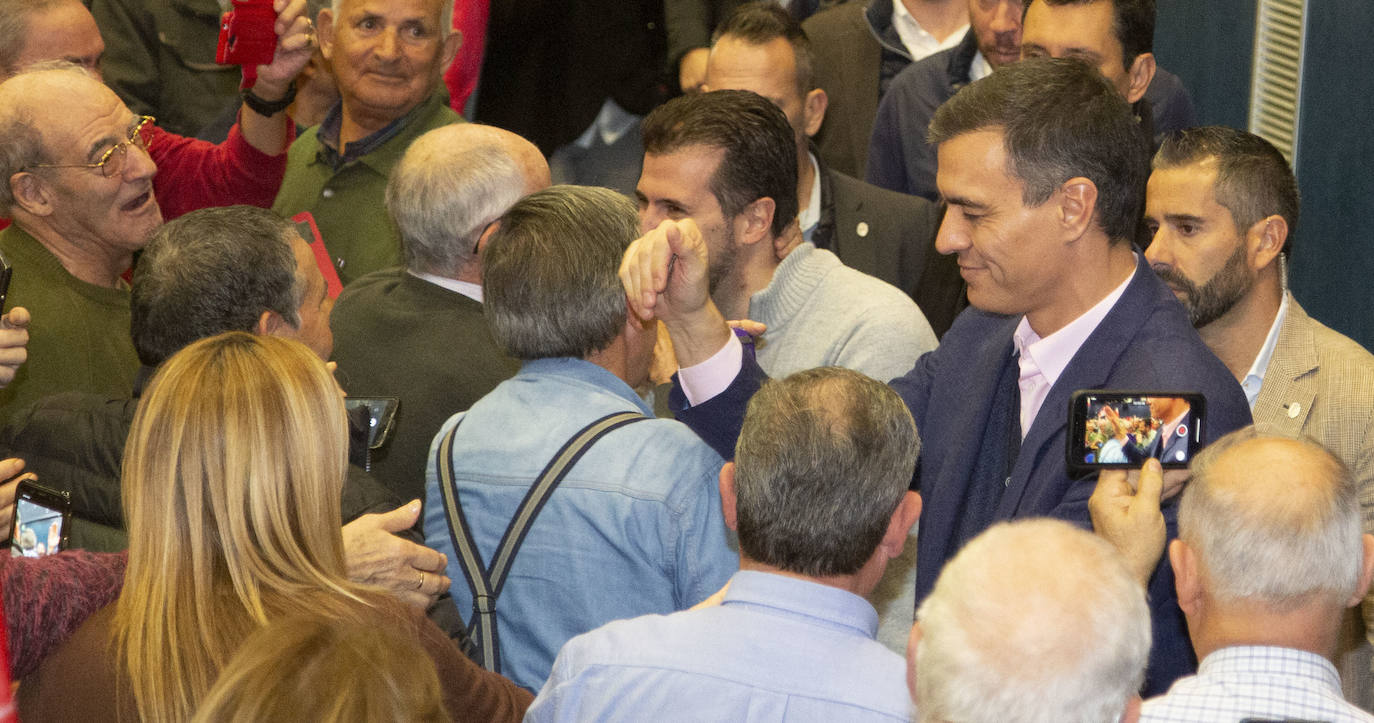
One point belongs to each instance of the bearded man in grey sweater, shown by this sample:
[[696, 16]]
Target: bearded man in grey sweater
[[727, 159]]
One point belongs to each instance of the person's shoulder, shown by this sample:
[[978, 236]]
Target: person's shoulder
[[1336, 349], [674, 446], [835, 22], [865, 295], [927, 78], [368, 287], [900, 207]]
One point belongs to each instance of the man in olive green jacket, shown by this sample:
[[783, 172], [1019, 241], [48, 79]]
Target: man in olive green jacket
[[387, 57]]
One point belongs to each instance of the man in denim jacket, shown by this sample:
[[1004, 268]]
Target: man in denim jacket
[[636, 526]]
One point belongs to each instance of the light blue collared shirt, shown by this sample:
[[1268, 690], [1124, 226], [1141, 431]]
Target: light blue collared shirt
[[635, 528], [777, 649]]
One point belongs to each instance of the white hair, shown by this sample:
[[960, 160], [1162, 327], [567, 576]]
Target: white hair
[[450, 184], [1273, 520], [1035, 621], [445, 15]]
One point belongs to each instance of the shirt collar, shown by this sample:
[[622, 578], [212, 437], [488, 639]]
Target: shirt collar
[[584, 371], [810, 217], [803, 598], [918, 41], [1246, 661], [1053, 353], [466, 288], [980, 68], [1254, 378], [329, 136]]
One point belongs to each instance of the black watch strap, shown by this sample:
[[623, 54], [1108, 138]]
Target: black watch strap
[[269, 107]]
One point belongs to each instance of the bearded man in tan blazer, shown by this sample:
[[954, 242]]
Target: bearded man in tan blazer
[[1221, 204]]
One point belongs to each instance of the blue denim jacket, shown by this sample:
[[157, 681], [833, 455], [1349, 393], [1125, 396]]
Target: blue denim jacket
[[635, 527]]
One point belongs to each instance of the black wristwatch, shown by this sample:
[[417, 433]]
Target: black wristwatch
[[269, 107]]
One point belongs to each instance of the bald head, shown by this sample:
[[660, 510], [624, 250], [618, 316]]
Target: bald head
[[1273, 521], [451, 184], [45, 110], [1039, 590]]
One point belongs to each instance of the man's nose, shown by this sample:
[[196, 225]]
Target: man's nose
[[1007, 17], [1159, 253], [952, 237], [649, 219], [389, 46], [138, 163]]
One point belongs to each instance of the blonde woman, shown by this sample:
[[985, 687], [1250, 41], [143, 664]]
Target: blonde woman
[[231, 478], [374, 674]]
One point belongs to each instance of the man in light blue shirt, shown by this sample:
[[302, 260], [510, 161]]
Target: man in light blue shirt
[[817, 495], [636, 525]]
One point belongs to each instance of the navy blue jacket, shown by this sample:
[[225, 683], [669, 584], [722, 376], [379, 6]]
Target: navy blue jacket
[[1145, 342]]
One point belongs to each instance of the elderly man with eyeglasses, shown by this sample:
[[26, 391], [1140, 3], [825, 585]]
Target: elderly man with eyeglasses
[[76, 177]]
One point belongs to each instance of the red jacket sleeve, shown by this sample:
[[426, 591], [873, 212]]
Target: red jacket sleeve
[[193, 174]]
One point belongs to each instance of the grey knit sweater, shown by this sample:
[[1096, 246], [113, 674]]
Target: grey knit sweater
[[820, 312]]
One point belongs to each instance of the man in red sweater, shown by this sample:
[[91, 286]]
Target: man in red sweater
[[247, 168]]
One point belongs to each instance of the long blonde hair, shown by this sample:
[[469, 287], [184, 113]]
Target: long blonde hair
[[232, 478], [329, 670]]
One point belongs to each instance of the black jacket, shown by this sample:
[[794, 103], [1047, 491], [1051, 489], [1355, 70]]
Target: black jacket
[[75, 443]]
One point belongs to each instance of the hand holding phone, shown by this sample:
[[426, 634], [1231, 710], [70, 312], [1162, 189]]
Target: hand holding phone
[[247, 37], [41, 520]]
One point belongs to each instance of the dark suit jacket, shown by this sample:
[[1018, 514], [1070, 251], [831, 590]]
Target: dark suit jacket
[[1144, 342], [396, 335], [891, 236], [847, 59]]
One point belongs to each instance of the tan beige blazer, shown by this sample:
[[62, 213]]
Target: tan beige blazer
[[1320, 384]]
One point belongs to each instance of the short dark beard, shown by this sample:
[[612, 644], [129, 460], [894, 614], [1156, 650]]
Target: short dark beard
[[1215, 297], [722, 264]]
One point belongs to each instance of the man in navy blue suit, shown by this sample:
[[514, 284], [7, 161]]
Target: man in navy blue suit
[[1044, 173]]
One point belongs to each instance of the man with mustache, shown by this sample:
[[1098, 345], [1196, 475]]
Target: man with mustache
[[387, 57], [1222, 205]]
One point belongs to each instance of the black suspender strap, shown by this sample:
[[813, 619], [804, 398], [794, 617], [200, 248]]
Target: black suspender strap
[[486, 582]]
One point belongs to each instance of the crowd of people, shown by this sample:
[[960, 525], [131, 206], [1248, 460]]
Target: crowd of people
[[685, 421]]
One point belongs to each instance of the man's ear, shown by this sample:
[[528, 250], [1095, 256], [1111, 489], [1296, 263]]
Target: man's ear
[[452, 43], [1187, 582], [727, 495], [1132, 712], [813, 110], [1264, 240], [755, 222], [485, 236], [324, 32], [1077, 204], [1141, 73], [1366, 570], [899, 526], [31, 194], [270, 323]]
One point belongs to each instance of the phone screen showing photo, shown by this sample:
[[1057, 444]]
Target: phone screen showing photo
[[1126, 430], [37, 529]]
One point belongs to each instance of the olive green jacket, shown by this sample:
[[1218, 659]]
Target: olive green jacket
[[347, 204]]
